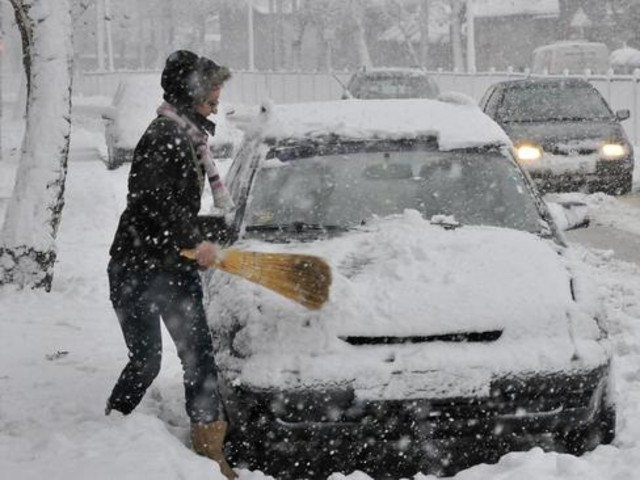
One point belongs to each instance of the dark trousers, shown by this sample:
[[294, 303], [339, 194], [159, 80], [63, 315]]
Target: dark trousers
[[140, 300]]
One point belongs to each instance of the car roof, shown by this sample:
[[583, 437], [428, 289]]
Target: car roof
[[454, 125], [547, 81], [570, 44], [391, 72]]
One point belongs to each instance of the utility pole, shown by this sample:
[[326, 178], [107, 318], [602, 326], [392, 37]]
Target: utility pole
[[100, 34], [107, 13], [280, 47], [471, 37], [424, 33], [252, 65], [1, 74], [455, 29]]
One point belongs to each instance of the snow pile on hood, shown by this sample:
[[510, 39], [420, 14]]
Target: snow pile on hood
[[456, 126], [403, 277]]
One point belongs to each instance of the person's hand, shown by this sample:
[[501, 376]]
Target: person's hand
[[222, 199], [206, 253]]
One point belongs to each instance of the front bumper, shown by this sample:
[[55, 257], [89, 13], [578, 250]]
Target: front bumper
[[609, 176], [314, 433]]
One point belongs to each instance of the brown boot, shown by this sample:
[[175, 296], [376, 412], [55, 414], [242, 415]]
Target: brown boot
[[208, 440]]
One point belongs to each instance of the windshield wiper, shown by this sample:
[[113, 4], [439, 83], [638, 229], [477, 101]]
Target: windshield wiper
[[448, 222], [297, 227]]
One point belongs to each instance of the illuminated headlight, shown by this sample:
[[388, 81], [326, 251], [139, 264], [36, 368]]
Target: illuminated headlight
[[528, 153], [613, 151]]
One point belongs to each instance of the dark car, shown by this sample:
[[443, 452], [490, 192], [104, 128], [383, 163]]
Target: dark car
[[566, 135], [458, 327], [391, 83]]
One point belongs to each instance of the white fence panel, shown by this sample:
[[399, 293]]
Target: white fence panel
[[621, 91]]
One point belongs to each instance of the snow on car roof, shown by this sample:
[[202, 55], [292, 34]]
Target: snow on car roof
[[393, 71], [455, 125]]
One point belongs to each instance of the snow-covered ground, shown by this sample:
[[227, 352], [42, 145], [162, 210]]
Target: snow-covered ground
[[61, 352]]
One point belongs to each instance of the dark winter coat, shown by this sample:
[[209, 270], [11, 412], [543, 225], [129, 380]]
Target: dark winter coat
[[165, 188]]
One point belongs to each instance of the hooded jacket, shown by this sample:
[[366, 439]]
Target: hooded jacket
[[166, 178], [165, 188]]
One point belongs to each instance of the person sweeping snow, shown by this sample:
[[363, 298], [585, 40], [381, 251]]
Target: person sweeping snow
[[149, 279]]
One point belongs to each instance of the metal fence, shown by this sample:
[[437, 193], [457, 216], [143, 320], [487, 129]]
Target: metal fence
[[621, 91]]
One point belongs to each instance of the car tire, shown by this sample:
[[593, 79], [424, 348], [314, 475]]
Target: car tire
[[601, 432]]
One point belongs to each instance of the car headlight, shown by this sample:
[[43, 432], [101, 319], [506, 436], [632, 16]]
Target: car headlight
[[528, 152], [613, 151]]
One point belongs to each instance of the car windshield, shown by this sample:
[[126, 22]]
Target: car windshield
[[398, 86], [473, 188], [539, 103]]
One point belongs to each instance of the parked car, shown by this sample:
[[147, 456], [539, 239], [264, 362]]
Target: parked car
[[567, 136], [391, 83], [134, 106], [571, 56], [625, 61], [459, 326]]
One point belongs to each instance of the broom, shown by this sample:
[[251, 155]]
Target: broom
[[302, 278]]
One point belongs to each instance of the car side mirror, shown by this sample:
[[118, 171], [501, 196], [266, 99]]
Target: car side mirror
[[622, 115], [108, 113], [569, 215]]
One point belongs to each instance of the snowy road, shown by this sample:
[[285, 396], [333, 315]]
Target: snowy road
[[624, 245], [620, 237]]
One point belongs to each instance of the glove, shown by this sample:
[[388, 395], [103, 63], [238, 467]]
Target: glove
[[222, 199]]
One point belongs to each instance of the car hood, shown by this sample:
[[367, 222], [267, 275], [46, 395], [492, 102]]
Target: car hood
[[405, 277], [554, 133], [505, 293]]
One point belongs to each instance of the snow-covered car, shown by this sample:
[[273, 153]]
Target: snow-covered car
[[391, 83], [459, 326], [134, 106], [566, 135], [625, 60]]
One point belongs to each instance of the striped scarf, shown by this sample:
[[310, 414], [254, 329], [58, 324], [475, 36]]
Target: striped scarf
[[221, 197]]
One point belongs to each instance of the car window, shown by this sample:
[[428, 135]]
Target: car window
[[491, 100], [347, 190], [409, 86], [536, 103]]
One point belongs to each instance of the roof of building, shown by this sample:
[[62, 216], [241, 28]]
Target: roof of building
[[506, 8]]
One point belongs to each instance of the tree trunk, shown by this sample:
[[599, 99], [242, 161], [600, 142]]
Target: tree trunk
[[27, 239]]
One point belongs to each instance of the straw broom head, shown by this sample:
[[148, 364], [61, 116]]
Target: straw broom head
[[304, 279]]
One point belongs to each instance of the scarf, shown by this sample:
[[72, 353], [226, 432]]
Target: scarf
[[221, 197]]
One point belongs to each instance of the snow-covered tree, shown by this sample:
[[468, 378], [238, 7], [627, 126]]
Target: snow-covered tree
[[27, 239]]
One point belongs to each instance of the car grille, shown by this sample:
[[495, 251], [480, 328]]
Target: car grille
[[474, 337], [568, 150], [509, 397]]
